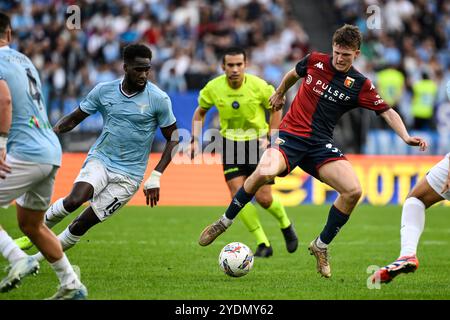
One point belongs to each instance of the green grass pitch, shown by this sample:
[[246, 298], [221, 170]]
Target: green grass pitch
[[149, 254]]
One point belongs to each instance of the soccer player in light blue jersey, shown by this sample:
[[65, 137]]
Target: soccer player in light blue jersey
[[132, 108], [30, 155]]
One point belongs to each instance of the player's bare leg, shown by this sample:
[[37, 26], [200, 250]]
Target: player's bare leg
[[80, 193], [271, 164], [75, 230], [349, 190], [31, 224]]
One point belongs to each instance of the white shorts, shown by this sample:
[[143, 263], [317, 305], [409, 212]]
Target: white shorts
[[437, 176], [111, 190], [29, 183]]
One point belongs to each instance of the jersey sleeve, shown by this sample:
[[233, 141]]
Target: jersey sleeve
[[91, 103], [301, 66], [165, 114], [205, 100], [369, 98]]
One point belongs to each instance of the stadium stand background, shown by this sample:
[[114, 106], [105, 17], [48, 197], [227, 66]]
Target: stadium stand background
[[188, 36]]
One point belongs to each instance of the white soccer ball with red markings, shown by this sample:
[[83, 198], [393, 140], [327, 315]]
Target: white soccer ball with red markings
[[236, 259]]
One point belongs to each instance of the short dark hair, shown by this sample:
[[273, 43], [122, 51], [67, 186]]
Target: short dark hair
[[5, 23], [131, 51], [348, 36], [233, 51]]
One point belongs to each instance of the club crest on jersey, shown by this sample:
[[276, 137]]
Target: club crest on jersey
[[235, 105], [349, 82]]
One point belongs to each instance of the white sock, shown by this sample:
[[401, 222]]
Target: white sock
[[55, 213], [412, 225], [9, 248], [227, 222], [67, 240], [320, 243], [65, 273]]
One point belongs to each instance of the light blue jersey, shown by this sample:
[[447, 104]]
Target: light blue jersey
[[31, 137], [130, 123]]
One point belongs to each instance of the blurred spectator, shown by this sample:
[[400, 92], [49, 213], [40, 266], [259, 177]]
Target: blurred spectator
[[422, 108], [391, 85], [187, 38], [414, 36], [203, 28]]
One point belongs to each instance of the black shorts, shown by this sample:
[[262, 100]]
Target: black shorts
[[309, 155], [240, 158]]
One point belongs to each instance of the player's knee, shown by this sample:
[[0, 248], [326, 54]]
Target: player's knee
[[353, 195], [264, 174]]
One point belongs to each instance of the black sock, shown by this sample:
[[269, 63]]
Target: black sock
[[241, 198], [336, 219]]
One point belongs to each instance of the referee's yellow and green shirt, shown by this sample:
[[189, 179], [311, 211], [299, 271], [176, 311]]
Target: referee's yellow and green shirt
[[241, 111]]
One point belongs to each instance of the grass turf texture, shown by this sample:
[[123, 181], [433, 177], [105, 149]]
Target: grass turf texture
[[143, 253]]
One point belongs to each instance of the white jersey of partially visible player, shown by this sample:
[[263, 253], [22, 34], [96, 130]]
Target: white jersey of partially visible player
[[437, 176], [130, 123]]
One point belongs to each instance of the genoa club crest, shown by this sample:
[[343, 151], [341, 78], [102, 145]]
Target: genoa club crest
[[349, 81]]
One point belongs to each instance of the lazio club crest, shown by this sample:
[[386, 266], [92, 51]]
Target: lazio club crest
[[349, 81], [235, 105]]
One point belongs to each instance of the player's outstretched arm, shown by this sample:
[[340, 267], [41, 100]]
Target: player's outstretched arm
[[152, 185], [5, 125], [393, 119], [278, 99], [70, 121]]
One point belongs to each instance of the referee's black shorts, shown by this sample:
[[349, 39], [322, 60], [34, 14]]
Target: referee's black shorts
[[240, 158]]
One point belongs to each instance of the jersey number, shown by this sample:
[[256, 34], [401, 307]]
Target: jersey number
[[34, 92], [113, 206]]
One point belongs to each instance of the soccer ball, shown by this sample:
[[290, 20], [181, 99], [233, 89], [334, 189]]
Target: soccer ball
[[236, 259]]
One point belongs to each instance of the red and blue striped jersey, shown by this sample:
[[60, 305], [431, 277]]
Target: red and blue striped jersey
[[325, 95]]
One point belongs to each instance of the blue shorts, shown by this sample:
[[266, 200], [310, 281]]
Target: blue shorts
[[309, 155]]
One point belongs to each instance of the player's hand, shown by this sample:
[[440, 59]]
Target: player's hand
[[416, 141], [277, 101], [151, 188], [194, 148], [4, 168]]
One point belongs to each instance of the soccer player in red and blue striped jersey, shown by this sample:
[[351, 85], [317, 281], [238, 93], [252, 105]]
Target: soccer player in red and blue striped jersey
[[332, 86]]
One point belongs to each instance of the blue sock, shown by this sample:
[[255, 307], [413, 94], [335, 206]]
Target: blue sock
[[336, 219], [241, 198]]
